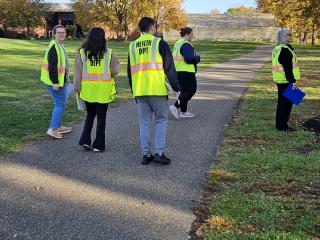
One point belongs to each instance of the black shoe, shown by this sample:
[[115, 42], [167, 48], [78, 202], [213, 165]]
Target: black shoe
[[161, 159], [147, 159], [86, 147]]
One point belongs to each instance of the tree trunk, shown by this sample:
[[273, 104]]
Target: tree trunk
[[313, 38], [118, 33], [74, 35], [304, 38], [28, 32], [126, 29]]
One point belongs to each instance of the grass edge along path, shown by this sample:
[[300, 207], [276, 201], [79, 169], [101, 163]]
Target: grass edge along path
[[25, 105], [265, 184]]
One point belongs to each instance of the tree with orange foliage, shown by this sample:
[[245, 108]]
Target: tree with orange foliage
[[302, 16], [121, 15], [23, 13], [241, 10], [168, 14]]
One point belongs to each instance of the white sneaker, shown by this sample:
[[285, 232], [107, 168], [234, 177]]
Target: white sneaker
[[186, 115], [174, 111], [54, 133]]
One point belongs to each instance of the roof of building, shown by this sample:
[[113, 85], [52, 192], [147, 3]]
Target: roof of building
[[228, 20], [60, 7]]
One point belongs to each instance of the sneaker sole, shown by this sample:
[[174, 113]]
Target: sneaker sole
[[66, 131], [161, 162], [53, 136], [97, 150]]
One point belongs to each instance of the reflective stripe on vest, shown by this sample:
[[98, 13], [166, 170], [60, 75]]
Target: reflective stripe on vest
[[146, 65], [61, 67], [178, 58], [95, 77], [281, 69], [179, 62], [278, 73], [151, 66], [61, 70]]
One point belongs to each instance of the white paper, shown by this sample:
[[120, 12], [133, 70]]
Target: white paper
[[80, 103], [70, 90]]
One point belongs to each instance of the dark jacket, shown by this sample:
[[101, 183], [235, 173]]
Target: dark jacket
[[52, 66], [285, 58], [168, 66], [187, 51]]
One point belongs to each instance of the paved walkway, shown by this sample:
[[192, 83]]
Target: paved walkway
[[54, 190]]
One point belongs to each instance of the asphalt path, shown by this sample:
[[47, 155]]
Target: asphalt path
[[52, 189]]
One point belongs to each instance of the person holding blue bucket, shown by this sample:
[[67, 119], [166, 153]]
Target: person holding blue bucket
[[285, 71]]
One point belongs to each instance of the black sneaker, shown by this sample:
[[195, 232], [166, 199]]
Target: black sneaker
[[86, 147], [161, 159], [147, 159]]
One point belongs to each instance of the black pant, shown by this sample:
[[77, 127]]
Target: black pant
[[188, 87], [93, 110], [283, 108]]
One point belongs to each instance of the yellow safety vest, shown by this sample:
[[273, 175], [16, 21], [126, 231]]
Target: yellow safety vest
[[146, 64], [179, 62], [61, 67], [97, 85], [278, 73]]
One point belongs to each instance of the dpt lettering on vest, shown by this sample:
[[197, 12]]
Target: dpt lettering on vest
[[143, 46], [96, 62]]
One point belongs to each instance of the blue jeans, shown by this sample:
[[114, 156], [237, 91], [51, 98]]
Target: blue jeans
[[147, 106], [59, 102]]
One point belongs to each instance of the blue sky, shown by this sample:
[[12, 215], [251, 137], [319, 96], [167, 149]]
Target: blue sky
[[202, 6]]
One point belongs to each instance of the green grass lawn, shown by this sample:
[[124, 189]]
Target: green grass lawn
[[265, 184], [25, 105]]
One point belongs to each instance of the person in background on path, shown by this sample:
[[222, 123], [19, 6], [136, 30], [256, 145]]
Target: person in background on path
[[185, 61], [149, 63], [285, 71], [94, 71], [54, 74]]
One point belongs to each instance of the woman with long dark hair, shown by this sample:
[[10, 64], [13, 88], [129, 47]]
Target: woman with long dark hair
[[94, 71], [185, 61]]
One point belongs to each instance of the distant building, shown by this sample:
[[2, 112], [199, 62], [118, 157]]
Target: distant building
[[60, 13], [245, 27]]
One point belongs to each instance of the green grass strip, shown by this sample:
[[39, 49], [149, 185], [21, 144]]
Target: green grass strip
[[265, 184]]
